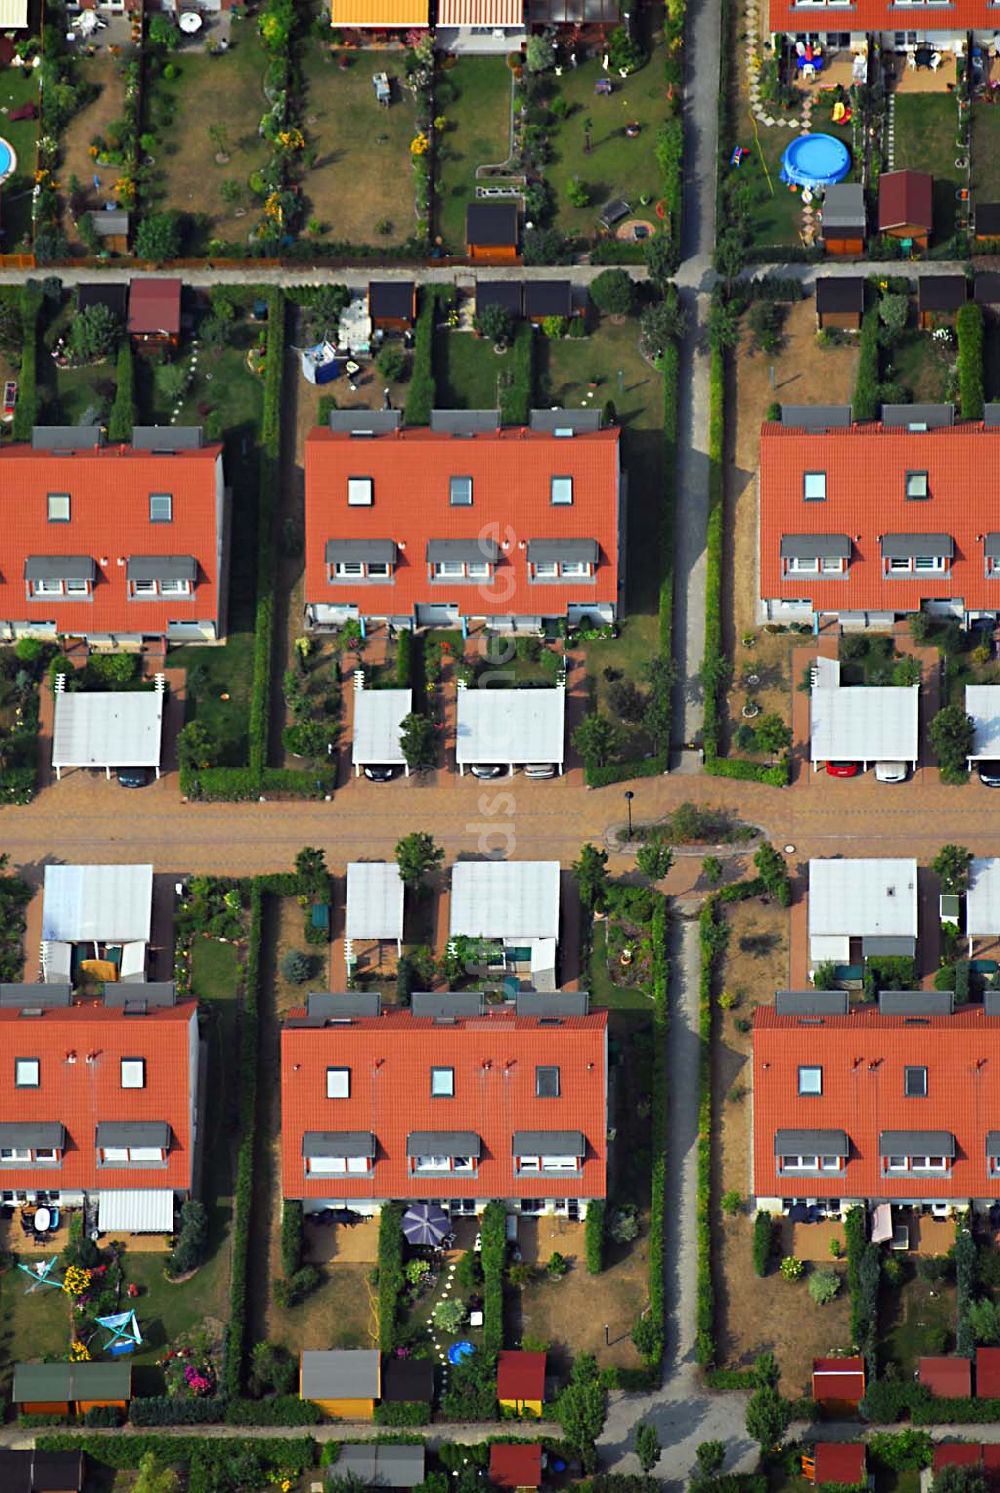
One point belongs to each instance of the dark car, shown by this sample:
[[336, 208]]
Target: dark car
[[488, 770], [132, 777], [381, 772], [989, 774], [842, 769]]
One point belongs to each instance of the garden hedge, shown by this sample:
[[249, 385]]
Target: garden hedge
[[517, 397], [121, 420], [711, 943], [270, 461], [658, 1130], [404, 659], [969, 327], [763, 1241], [126, 1452], [421, 394], [390, 1273], [278, 1410], [26, 408], [291, 1236], [403, 1413], [594, 1238], [493, 1237], [865, 403]]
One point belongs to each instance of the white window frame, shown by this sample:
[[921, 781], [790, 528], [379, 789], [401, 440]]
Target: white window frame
[[77, 588], [831, 565], [360, 492], [47, 586], [378, 569], [339, 1166], [811, 1163], [897, 1163], [560, 1163], [133, 1073], [349, 570], [817, 1091], [530, 1164], [900, 565], [449, 569], [546, 569], [929, 1163], [431, 1163], [930, 564], [23, 1079], [145, 1154], [913, 478], [15, 1154], [478, 570], [175, 588], [338, 1083], [798, 566], [575, 567], [464, 1165], [115, 1155], [144, 588], [45, 1155]]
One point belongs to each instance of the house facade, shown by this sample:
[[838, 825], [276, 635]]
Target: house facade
[[98, 1104], [114, 544], [838, 24], [872, 1107], [863, 524], [437, 527], [455, 1109]]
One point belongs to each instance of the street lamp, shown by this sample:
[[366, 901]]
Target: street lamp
[[629, 795]]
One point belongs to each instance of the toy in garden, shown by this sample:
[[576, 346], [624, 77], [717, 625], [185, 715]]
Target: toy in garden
[[736, 159], [125, 1333], [841, 113]]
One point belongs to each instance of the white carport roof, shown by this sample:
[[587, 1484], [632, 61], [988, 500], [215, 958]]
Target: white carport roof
[[13, 15], [863, 898], [377, 717], [510, 725], [113, 728], [982, 702], [110, 904], [374, 900], [136, 1211], [513, 900], [982, 902], [864, 723]]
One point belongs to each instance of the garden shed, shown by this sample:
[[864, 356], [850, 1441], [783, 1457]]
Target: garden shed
[[392, 304], [113, 294], [42, 1472], [378, 716], [510, 726], [838, 1382], [840, 302], [506, 293], [982, 901], [841, 1462], [516, 1464], [986, 289], [65, 1388], [843, 218], [345, 1382], [154, 311], [544, 298], [112, 228], [491, 230], [947, 1377], [987, 220], [988, 1373], [107, 729], [105, 904], [905, 206], [521, 1381], [939, 297], [381, 1466]]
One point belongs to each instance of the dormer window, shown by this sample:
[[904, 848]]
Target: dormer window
[[917, 554], [360, 559], [151, 576], [562, 559], [359, 492]]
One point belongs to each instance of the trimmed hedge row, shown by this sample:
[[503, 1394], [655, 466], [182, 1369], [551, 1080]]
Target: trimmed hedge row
[[705, 1346], [493, 1236], [594, 1238], [865, 403], [26, 408], [969, 328], [124, 1452], [516, 397], [658, 1130], [282, 1410], [291, 1236], [121, 419], [422, 391], [670, 135], [390, 1273], [270, 454]]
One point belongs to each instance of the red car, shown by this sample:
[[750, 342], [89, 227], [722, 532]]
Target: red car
[[843, 769]]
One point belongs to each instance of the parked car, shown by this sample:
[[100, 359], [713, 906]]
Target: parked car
[[540, 770], [891, 772], [488, 770], [132, 777], [381, 772], [843, 769], [989, 774]]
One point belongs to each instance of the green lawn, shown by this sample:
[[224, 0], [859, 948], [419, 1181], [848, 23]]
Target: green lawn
[[165, 1310], [923, 367], [926, 130], [908, 1313], [616, 166], [18, 86], [776, 211], [475, 97], [602, 991], [985, 152], [215, 969], [466, 370]]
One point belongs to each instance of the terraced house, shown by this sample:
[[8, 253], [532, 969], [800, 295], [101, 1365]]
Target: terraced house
[[452, 1101], [463, 521]]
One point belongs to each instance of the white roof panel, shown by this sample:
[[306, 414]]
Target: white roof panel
[[982, 902], [136, 1211], [982, 702], [864, 723], [13, 15], [510, 725], [374, 900], [110, 728], [378, 714], [863, 898], [110, 904], [505, 899]]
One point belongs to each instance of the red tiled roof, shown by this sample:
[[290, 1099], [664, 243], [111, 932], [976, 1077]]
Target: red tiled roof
[[81, 1094], [905, 197], [516, 1465], [494, 1058], [109, 490], [838, 1379], [520, 1376], [882, 15], [866, 469], [510, 470], [947, 1378], [988, 1373], [956, 1454], [154, 305], [841, 1462], [862, 1057]]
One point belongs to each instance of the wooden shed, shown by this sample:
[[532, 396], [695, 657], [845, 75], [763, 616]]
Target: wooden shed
[[112, 229], [939, 298], [154, 311], [42, 1472], [521, 1381], [840, 302], [491, 231], [392, 304], [344, 1382], [905, 207], [70, 1388], [838, 1384], [843, 219], [516, 1464], [947, 1377], [986, 220]]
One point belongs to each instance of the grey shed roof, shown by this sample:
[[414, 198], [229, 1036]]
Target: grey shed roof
[[381, 1466], [45, 996], [933, 416], [470, 550], [340, 1374], [982, 902], [552, 1003], [109, 222], [162, 568], [167, 438], [562, 549], [895, 945], [338, 1143], [916, 1002], [942, 292], [443, 1143], [905, 546], [844, 206], [391, 300], [811, 1143], [916, 1143], [809, 546], [72, 1381], [365, 422], [506, 293], [986, 289], [59, 568], [988, 219], [65, 437], [464, 422], [556, 422], [816, 417], [811, 1002], [991, 1002], [382, 551], [447, 1003], [33, 1133], [133, 1133], [108, 728], [548, 298], [549, 1143], [491, 224]]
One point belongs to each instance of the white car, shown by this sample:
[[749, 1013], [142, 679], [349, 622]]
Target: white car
[[540, 770], [891, 772]]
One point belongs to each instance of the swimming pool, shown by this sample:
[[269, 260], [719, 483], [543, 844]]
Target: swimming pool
[[815, 161], [8, 160]]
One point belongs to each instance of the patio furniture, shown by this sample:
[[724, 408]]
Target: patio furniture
[[425, 1223], [900, 1237], [42, 1220], [190, 22], [475, 1319]]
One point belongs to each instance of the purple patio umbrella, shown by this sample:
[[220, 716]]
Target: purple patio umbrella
[[425, 1223]]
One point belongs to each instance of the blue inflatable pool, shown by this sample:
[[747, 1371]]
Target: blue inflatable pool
[[815, 161]]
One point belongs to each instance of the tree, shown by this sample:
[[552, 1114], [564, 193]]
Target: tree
[[417, 857], [546, 246], [540, 53], [327, 303], [730, 254], [192, 1241], [449, 1315], [154, 1476], [418, 741], [773, 872], [590, 871], [163, 33], [627, 700], [598, 739], [654, 859], [772, 733], [660, 673], [660, 256], [951, 733], [723, 325], [391, 362], [661, 323], [647, 1445], [613, 292], [952, 864], [158, 236], [495, 323], [577, 192], [711, 869], [984, 1320], [196, 747], [893, 311], [580, 1410], [297, 967], [767, 1418], [94, 332]]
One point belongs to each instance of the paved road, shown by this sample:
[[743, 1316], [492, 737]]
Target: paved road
[[355, 276]]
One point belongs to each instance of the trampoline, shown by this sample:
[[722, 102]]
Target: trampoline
[[815, 161]]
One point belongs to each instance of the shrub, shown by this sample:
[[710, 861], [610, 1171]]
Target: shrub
[[158, 235], [732, 1203], [613, 291], [391, 362], [469, 1272], [291, 1236], [404, 1413], [495, 323], [791, 1268], [556, 1265], [763, 1241], [192, 1241], [493, 1235], [824, 1285], [654, 859], [951, 737], [297, 1287], [625, 1224], [449, 1315], [297, 967]]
